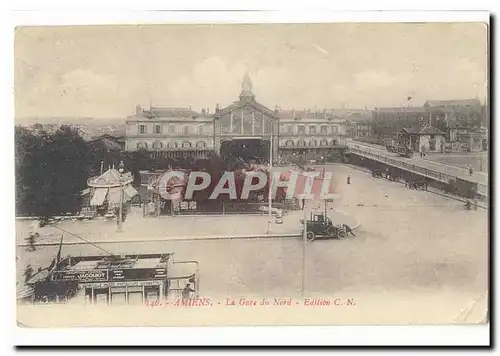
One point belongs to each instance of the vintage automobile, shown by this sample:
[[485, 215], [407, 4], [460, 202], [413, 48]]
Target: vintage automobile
[[320, 226]]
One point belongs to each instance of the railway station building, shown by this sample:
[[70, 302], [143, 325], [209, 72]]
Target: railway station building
[[244, 128]]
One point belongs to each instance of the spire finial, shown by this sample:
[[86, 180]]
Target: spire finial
[[246, 84], [246, 87]]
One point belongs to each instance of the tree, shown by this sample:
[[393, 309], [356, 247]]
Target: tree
[[51, 172]]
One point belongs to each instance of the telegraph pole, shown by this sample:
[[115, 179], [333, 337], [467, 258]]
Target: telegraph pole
[[120, 211], [304, 244]]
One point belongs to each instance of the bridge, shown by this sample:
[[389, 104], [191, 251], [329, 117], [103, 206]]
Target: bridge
[[423, 167]]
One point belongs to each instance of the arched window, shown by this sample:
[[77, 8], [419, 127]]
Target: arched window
[[172, 144], [313, 143], [186, 144], [323, 143], [312, 129], [334, 142], [301, 143], [157, 145], [289, 143], [201, 144], [142, 146]]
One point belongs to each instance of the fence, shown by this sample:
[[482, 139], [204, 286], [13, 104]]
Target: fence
[[442, 177]]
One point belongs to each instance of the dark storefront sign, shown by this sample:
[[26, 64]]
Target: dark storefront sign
[[82, 276], [121, 284], [111, 275]]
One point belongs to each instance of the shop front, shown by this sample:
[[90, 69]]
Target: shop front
[[124, 280], [121, 293]]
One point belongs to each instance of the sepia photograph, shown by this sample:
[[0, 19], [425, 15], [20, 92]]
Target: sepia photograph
[[266, 174]]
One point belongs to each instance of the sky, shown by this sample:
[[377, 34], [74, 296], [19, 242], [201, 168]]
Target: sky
[[105, 71]]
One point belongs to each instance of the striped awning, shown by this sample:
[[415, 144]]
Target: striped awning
[[130, 192], [99, 196], [114, 196]]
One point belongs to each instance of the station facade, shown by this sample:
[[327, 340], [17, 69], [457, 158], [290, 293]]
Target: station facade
[[177, 132]]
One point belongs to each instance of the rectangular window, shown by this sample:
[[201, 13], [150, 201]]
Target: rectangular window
[[157, 129], [324, 129], [301, 129], [142, 129], [171, 129], [312, 129], [289, 129], [186, 129]]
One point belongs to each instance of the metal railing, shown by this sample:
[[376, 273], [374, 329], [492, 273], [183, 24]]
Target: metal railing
[[443, 177]]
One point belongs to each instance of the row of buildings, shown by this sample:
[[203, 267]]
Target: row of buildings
[[177, 132], [447, 125], [174, 132]]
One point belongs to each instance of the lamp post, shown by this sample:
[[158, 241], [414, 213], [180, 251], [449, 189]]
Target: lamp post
[[269, 196], [121, 169], [304, 244]]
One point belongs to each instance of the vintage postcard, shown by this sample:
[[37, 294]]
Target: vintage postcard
[[252, 174]]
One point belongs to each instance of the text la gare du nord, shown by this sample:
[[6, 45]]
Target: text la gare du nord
[[259, 302]]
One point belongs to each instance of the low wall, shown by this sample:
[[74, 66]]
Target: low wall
[[442, 182]]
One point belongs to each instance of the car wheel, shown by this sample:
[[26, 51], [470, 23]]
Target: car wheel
[[310, 236], [342, 234]]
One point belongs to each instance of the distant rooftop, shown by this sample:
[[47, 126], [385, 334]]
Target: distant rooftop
[[408, 109], [445, 103], [424, 130], [173, 112]]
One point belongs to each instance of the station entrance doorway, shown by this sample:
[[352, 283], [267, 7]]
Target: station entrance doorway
[[245, 149]]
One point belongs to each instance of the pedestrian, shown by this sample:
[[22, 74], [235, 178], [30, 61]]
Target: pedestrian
[[349, 179], [31, 242], [186, 292], [28, 273], [470, 170], [303, 203], [421, 154]]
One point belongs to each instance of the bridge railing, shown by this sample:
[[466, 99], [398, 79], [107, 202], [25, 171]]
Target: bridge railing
[[482, 188]]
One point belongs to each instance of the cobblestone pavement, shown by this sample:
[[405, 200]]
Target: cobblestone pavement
[[409, 241]]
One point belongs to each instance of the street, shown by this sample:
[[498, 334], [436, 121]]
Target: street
[[408, 240]]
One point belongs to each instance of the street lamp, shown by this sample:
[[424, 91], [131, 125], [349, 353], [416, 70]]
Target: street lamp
[[121, 169], [269, 196]]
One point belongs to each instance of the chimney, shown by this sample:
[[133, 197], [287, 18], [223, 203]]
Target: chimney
[[203, 112], [217, 108]]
